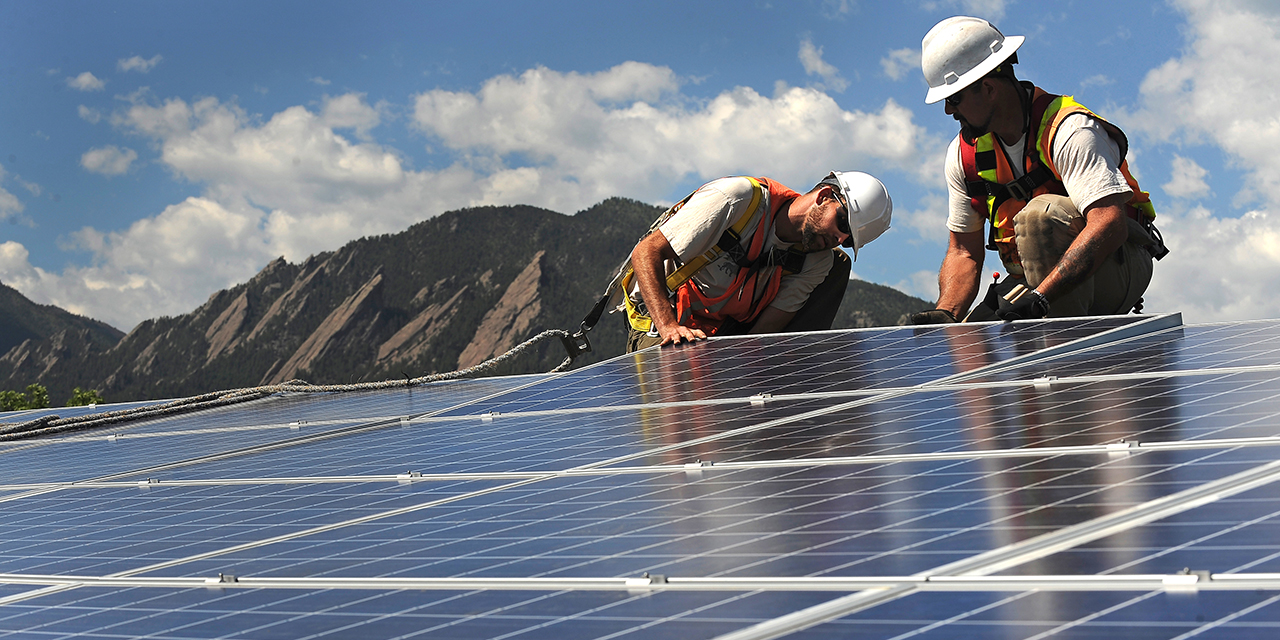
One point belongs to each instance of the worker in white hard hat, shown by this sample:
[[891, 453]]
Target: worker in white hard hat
[[1070, 223], [749, 255]]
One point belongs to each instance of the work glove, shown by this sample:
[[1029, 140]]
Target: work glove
[[1023, 304], [932, 316]]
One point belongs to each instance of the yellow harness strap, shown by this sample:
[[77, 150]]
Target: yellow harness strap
[[637, 317]]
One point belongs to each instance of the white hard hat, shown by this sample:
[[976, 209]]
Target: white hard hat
[[868, 203], [961, 50]]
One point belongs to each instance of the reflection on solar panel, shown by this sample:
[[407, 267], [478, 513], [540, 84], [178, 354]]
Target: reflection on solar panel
[[1095, 477]]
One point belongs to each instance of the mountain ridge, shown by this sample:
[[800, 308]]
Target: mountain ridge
[[446, 293]]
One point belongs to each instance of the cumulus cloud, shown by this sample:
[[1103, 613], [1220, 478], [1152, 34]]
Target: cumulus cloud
[[1202, 277], [1188, 179], [1097, 80], [929, 221], [195, 246], [901, 63], [138, 63], [583, 148], [109, 160], [89, 115], [350, 111], [1223, 87], [992, 10], [86, 82], [9, 204], [293, 183], [921, 284], [814, 65]]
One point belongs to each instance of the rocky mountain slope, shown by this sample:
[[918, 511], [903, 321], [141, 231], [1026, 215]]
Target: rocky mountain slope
[[447, 293]]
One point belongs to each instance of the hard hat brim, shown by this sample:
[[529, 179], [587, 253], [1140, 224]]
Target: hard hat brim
[[944, 91]]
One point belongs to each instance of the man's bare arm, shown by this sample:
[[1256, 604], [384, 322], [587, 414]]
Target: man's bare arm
[[1105, 231], [646, 261], [960, 272]]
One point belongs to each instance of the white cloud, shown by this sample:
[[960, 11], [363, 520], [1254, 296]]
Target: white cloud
[[1202, 276], [581, 149], [901, 63], [320, 81], [929, 222], [992, 10], [138, 63], [1188, 179], [921, 284], [86, 82], [814, 65], [9, 204], [191, 247], [87, 114], [109, 160], [290, 184], [350, 111], [1098, 80], [1220, 91]]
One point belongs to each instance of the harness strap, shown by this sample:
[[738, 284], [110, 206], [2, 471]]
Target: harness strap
[[791, 261], [695, 265]]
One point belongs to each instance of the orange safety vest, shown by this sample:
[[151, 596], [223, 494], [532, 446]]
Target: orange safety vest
[[740, 298], [993, 190]]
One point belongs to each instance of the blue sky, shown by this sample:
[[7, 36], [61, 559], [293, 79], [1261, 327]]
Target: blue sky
[[152, 153]]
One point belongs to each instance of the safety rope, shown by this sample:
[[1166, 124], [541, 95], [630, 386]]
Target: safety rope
[[576, 344]]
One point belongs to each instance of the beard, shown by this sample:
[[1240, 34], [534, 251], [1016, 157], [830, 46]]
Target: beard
[[810, 239], [972, 131]]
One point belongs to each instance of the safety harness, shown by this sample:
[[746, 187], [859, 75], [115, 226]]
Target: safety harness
[[993, 190], [739, 299]]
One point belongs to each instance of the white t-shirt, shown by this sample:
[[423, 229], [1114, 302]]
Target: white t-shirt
[[697, 227], [1088, 159]]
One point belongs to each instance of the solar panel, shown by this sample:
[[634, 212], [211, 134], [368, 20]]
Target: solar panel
[[990, 480]]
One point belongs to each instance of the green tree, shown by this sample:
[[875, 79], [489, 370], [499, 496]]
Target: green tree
[[84, 397], [36, 397]]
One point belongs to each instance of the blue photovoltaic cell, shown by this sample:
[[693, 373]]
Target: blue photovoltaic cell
[[205, 613], [84, 458], [15, 417], [882, 519], [103, 531], [1245, 344], [598, 509], [829, 362], [1237, 534], [1213, 406], [90, 454], [1151, 615], [546, 442]]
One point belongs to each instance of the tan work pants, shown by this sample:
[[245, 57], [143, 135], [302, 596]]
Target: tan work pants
[[1047, 226]]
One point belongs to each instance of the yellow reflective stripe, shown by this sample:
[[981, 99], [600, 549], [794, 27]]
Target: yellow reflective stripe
[[681, 275], [642, 322]]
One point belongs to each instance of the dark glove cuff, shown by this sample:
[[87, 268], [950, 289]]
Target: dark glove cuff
[[933, 316]]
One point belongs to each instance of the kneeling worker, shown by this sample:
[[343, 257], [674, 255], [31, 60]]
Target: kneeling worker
[[1071, 225], [748, 255]]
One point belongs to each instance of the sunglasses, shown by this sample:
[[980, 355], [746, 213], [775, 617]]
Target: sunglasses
[[842, 218]]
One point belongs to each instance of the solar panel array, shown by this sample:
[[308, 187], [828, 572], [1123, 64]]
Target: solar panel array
[[1066, 478]]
